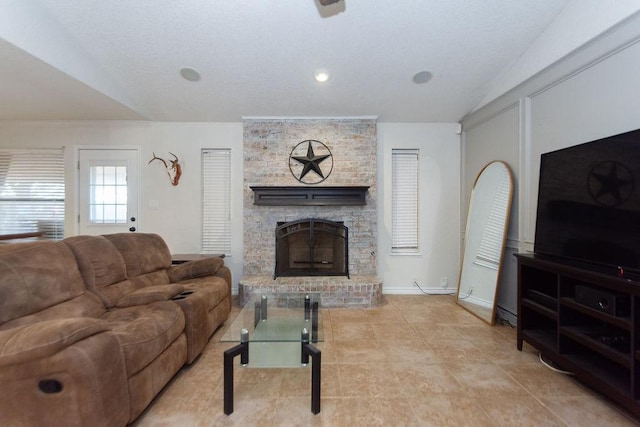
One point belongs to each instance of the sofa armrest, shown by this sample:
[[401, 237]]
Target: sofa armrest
[[225, 273], [195, 268], [42, 339]]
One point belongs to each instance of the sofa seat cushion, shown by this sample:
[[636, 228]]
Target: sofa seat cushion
[[144, 332], [150, 294], [86, 304], [39, 340]]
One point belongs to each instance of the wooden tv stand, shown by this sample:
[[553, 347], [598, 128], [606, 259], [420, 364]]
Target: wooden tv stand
[[582, 336]]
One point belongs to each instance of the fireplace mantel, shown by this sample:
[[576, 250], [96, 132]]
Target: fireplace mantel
[[310, 196]]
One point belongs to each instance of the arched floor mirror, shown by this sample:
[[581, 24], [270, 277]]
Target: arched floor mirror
[[484, 240]]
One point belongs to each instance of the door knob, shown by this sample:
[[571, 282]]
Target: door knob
[[132, 229], [133, 219]]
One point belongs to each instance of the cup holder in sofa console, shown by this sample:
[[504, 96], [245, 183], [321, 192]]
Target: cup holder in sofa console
[[50, 386], [182, 295]]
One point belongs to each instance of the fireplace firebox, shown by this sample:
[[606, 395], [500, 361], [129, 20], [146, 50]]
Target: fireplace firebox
[[312, 247]]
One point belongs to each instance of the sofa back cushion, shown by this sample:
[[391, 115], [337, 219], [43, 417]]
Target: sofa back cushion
[[102, 267], [142, 252], [38, 278]]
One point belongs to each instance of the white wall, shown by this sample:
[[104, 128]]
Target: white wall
[[580, 20], [439, 207], [178, 217], [589, 95]]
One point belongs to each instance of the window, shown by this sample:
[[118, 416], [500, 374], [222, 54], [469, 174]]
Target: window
[[216, 201], [108, 194], [32, 192], [404, 201]]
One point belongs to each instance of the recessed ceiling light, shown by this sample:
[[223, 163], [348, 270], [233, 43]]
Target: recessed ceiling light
[[422, 77], [190, 74], [321, 75]]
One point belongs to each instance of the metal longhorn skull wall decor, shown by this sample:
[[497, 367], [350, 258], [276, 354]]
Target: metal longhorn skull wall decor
[[174, 170]]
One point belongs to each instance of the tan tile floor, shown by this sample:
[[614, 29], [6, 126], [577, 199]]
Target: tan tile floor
[[414, 361]]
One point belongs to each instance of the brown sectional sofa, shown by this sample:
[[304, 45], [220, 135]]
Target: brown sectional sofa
[[93, 327]]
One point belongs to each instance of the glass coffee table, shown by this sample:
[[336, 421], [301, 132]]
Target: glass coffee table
[[276, 331]]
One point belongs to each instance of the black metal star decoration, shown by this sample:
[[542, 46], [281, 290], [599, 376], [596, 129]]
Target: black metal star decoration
[[311, 162]]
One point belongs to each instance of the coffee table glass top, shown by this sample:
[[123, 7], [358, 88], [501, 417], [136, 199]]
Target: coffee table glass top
[[278, 318], [276, 327]]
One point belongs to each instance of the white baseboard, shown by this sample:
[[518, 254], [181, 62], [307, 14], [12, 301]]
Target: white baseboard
[[414, 290], [506, 315]]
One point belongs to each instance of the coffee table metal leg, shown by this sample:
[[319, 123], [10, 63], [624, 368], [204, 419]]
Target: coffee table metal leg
[[316, 364], [314, 322], [241, 349]]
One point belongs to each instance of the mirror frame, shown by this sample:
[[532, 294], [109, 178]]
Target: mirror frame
[[471, 307]]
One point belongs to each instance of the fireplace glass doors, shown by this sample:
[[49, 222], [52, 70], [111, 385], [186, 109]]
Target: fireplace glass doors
[[312, 247]]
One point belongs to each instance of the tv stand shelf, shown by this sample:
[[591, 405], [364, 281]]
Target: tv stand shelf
[[540, 309], [620, 322], [583, 333]]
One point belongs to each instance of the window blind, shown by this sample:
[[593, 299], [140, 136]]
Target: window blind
[[216, 201], [404, 195], [32, 192]]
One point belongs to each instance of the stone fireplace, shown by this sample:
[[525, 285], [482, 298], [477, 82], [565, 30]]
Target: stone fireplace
[[268, 144]]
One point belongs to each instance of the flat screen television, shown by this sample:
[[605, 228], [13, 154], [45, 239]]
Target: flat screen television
[[589, 205]]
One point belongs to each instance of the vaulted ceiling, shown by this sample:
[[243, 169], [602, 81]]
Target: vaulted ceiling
[[117, 59]]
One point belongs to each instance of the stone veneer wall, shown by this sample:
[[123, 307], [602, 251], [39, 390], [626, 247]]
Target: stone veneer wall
[[267, 145]]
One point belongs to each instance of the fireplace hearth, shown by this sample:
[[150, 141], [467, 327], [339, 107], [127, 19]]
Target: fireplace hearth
[[312, 247]]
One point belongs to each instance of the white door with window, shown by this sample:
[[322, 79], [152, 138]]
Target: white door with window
[[108, 186]]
